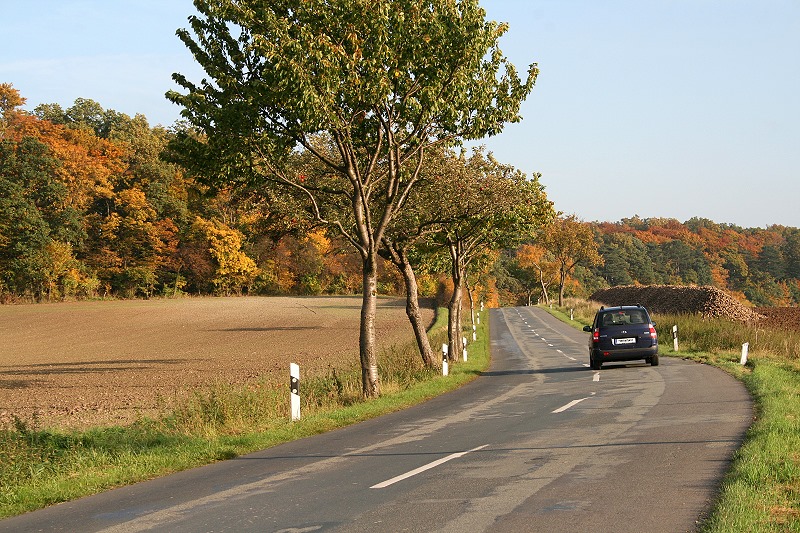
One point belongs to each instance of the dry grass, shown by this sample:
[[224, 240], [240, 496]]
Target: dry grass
[[81, 364]]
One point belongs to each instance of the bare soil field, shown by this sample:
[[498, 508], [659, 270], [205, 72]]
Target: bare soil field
[[781, 318], [80, 364]]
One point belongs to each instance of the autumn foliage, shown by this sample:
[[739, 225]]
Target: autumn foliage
[[90, 207], [758, 266]]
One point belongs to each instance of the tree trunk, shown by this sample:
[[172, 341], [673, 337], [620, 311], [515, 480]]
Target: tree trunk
[[399, 258], [412, 310], [370, 380], [454, 307], [471, 305], [544, 288]]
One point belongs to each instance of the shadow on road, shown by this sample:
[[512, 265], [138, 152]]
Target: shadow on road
[[529, 371]]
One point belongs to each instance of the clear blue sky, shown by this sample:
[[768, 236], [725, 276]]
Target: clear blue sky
[[661, 108]]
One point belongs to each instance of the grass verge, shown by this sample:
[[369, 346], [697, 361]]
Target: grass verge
[[761, 491], [41, 467]]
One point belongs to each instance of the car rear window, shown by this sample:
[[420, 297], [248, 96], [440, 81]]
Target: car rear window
[[623, 316]]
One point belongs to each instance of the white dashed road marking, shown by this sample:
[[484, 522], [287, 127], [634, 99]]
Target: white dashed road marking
[[423, 468]]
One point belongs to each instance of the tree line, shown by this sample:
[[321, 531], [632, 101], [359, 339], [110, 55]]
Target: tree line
[[757, 265], [322, 152], [324, 136], [93, 205]]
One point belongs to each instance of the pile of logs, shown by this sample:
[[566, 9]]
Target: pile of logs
[[678, 299]]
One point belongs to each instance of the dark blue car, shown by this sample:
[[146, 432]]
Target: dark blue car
[[623, 333]]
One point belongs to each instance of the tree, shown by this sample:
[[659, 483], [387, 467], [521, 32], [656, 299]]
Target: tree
[[409, 236], [489, 206], [571, 242], [10, 100], [791, 251], [24, 235], [32, 216], [380, 81], [234, 269], [531, 257]]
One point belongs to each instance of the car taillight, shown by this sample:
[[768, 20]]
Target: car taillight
[[596, 335], [653, 331]]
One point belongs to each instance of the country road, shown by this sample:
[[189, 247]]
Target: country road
[[537, 443]]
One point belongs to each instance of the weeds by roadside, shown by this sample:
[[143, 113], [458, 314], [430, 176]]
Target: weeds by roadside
[[40, 467], [761, 492]]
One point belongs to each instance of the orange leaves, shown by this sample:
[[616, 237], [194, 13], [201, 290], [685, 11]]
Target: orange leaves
[[530, 255], [10, 98], [89, 164]]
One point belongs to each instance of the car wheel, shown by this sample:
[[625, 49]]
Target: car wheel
[[594, 364], [654, 360]]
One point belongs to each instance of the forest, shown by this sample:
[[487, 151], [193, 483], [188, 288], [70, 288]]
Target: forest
[[93, 204], [756, 265]]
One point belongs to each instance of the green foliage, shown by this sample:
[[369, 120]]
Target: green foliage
[[757, 265], [339, 102], [26, 204]]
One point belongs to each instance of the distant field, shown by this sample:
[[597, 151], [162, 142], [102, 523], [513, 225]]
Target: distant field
[[99, 363]]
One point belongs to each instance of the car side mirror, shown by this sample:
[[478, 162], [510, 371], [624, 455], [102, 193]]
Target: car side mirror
[[654, 324], [587, 328]]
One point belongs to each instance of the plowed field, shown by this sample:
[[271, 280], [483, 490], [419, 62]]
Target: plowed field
[[97, 363], [781, 317]]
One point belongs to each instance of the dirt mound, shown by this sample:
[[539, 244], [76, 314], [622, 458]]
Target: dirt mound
[[678, 299]]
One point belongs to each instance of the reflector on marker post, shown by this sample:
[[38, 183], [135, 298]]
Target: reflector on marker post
[[294, 373], [675, 337]]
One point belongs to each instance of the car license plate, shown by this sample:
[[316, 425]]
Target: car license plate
[[626, 340]]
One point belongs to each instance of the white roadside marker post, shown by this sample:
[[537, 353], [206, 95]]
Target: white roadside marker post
[[464, 342], [444, 360], [571, 317], [745, 350], [474, 333], [675, 338], [294, 374]]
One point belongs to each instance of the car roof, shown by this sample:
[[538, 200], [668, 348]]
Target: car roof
[[620, 308]]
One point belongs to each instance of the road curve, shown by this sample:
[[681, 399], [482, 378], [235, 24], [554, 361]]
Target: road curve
[[537, 443]]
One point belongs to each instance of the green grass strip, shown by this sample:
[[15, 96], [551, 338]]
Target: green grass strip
[[41, 467], [761, 491]]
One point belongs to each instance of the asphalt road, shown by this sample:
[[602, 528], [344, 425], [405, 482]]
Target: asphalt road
[[538, 443]]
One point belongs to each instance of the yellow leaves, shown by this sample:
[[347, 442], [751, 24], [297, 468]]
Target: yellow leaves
[[319, 241], [10, 98], [134, 199], [234, 268], [110, 226]]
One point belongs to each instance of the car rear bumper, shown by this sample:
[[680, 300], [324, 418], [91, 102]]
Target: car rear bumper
[[624, 354]]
